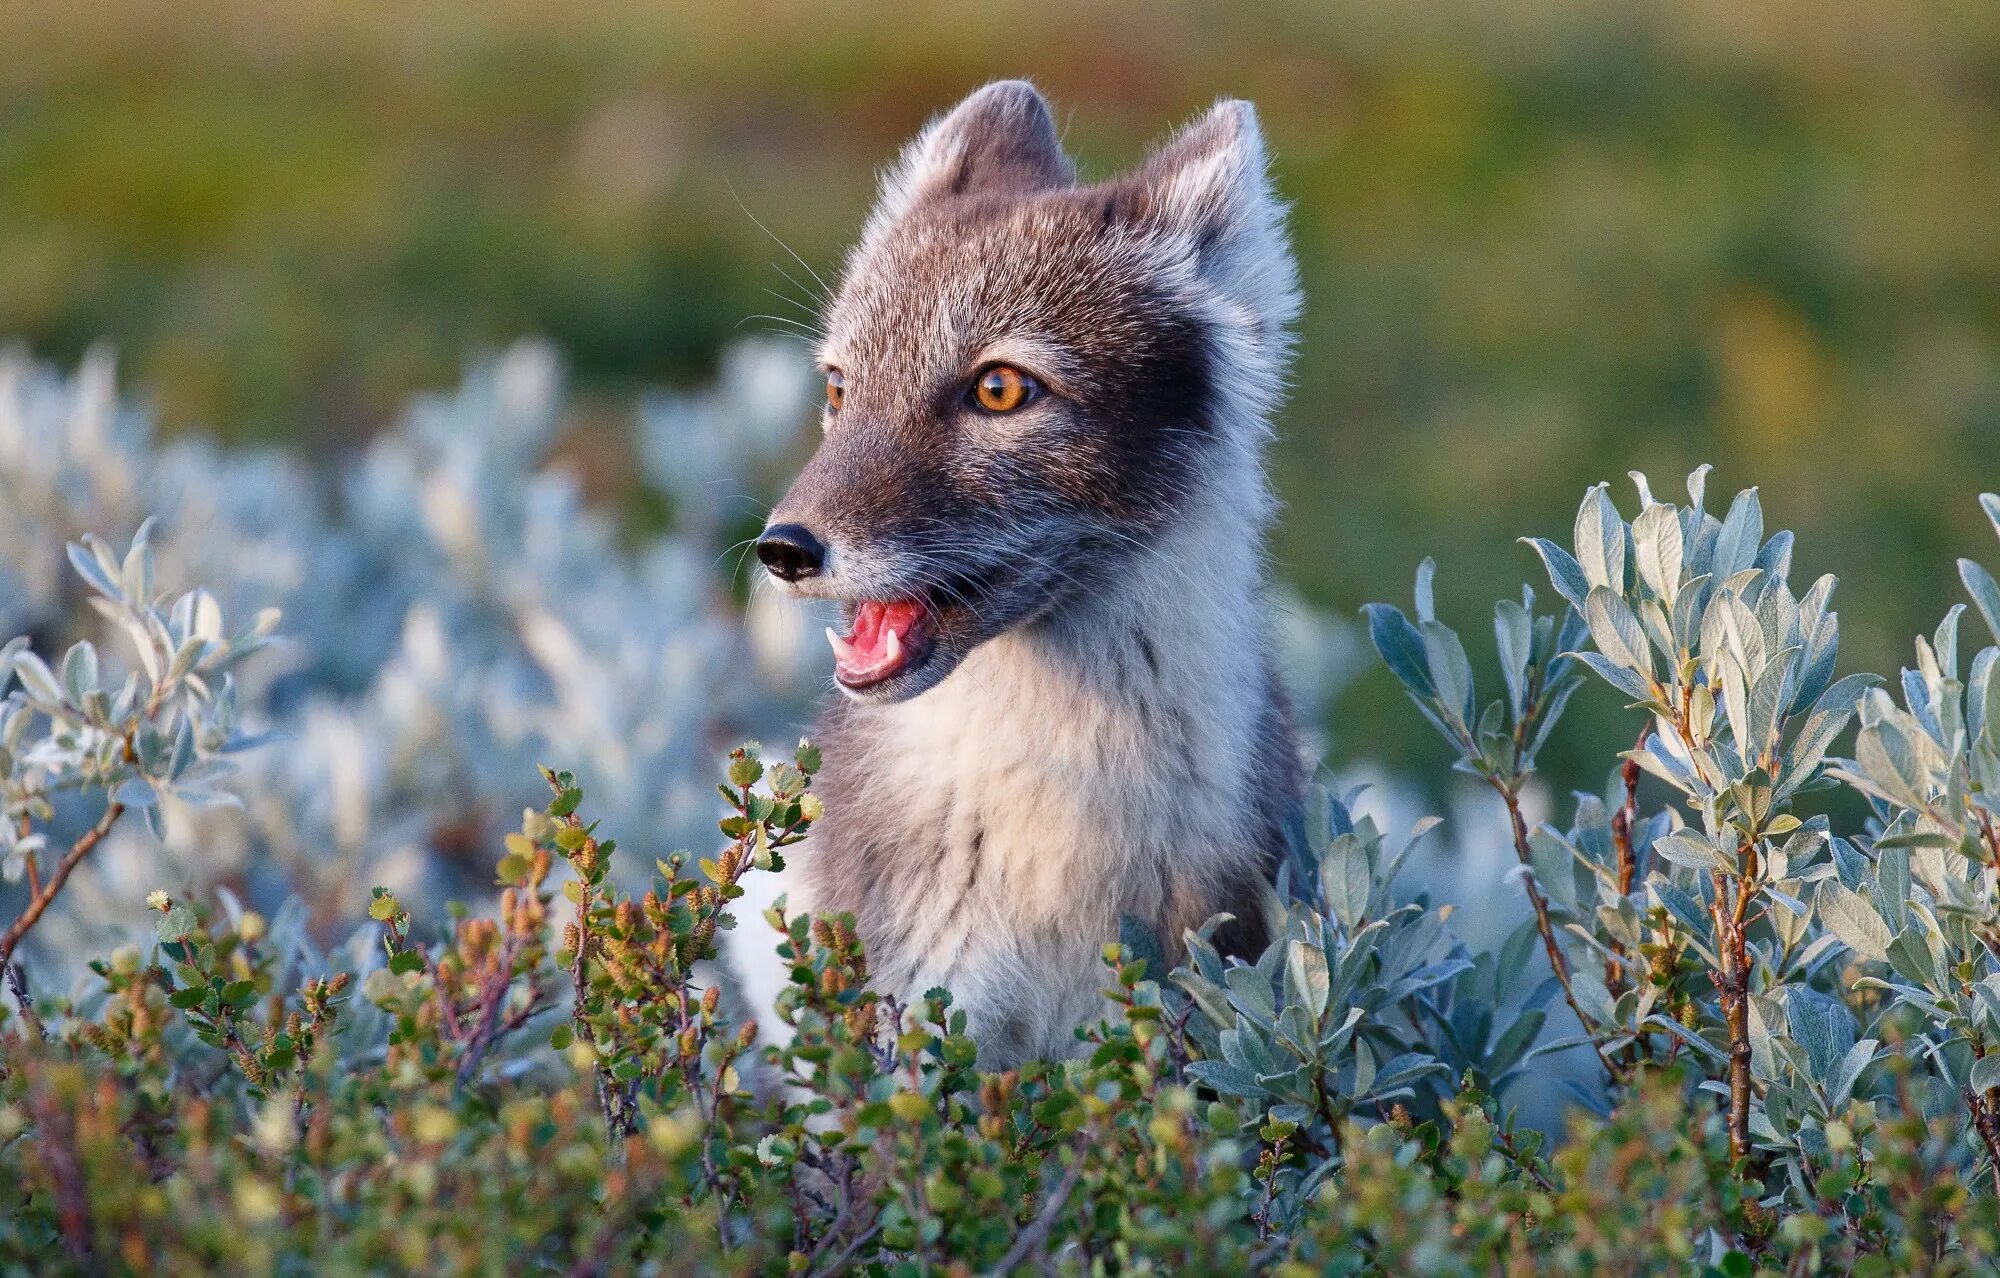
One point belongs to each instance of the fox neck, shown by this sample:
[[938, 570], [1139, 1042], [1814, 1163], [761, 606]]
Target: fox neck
[[990, 834], [1121, 727]]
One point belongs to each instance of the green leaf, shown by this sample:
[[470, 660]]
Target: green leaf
[[176, 925], [1554, 868], [1426, 594], [1451, 671], [1616, 632], [1345, 880], [1400, 646], [1306, 965], [1141, 943], [1986, 1072], [1614, 674], [1656, 550], [1564, 572], [1403, 1070], [1912, 959], [407, 961], [1600, 541], [1513, 634], [1851, 917], [1695, 851], [1228, 1079], [1828, 719], [1985, 593], [1742, 536]]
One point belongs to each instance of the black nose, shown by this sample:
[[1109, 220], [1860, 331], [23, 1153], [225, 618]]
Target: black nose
[[791, 552]]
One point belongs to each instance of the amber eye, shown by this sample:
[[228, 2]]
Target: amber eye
[[1004, 388], [836, 388]]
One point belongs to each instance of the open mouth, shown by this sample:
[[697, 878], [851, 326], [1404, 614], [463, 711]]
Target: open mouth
[[885, 640]]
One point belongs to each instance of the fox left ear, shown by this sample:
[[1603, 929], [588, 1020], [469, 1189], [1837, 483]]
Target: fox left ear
[[1001, 138], [1209, 189]]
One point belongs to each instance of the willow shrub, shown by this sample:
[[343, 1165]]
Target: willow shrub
[[1794, 1029]]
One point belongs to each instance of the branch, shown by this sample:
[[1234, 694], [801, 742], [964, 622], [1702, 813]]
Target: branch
[[17, 985], [1036, 1235], [1988, 1127], [1546, 926], [490, 999], [40, 902], [1732, 982], [56, 1143]]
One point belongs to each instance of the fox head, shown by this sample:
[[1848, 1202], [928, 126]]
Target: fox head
[[1029, 380]]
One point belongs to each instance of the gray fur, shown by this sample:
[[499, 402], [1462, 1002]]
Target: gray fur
[[1097, 730]]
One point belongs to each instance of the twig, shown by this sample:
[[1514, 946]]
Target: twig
[[832, 1232], [490, 999], [17, 985], [1623, 823], [71, 859], [1036, 1235], [57, 1145], [1732, 983], [1558, 961], [1627, 816], [837, 1263], [1988, 1126], [1520, 1161]]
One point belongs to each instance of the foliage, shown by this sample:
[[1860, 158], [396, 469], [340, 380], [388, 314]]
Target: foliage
[[1795, 1025], [457, 610]]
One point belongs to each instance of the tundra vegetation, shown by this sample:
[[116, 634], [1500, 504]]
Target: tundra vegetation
[[1772, 939]]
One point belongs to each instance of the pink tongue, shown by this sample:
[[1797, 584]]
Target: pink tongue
[[873, 621], [878, 645]]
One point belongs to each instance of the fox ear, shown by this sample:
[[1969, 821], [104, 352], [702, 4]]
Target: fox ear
[[1001, 138], [1209, 187]]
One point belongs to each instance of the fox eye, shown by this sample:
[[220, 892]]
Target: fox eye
[[1004, 388], [836, 388]]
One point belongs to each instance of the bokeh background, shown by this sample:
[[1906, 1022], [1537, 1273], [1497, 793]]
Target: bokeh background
[[1543, 243]]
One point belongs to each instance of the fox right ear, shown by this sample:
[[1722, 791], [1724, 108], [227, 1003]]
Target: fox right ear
[[1001, 138], [1209, 190]]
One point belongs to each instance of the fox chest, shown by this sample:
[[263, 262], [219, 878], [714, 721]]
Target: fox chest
[[992, 849]]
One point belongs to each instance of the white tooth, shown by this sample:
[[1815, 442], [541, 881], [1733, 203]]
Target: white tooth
[[894, 648], [843, 651]]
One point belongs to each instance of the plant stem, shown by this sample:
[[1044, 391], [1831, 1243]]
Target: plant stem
[[1036, 1235], [490, 999], [1985, 1117], [1558, 961], [1626, 818], [1987, 1125], [17, 985], [41, 900], [1732, 983]]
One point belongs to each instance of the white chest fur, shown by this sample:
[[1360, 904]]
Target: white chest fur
[[1088, 766]]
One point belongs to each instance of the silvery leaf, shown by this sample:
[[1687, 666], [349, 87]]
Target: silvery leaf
[[1600, 541]]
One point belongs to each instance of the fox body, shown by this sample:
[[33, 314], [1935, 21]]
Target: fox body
[[1040, 500]]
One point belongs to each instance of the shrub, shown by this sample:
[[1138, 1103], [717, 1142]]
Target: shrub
[[1793, 1024], [456, 612]]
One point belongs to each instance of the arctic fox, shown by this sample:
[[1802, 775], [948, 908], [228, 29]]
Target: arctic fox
[[1040, 501]]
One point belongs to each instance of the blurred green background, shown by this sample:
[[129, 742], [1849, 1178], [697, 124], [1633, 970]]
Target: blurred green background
[[1543, 243]]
